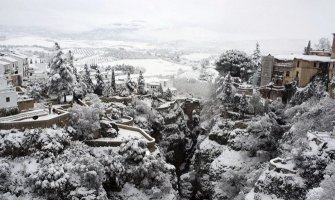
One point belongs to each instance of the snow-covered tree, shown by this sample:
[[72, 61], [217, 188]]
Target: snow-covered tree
[[243, 107], [124, 92], [256, 105], [133, 150], [107, 91], [256, 56], [238, 63], [85, 122], [168, 95], [160, 90], [308, 49], [131, 85], [99, 87], [62, 80], [225, 90], [326, 190], [34, 90], [87, 79], [80, 88], [113, 80], [141, 84], [256, 59], [323, 44]]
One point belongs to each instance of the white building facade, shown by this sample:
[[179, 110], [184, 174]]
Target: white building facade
[[8, 95]]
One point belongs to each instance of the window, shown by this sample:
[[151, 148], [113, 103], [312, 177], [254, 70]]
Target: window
[[7, 99], [297, 74], [31, 74], [287, 73], [315, 64], [298, 64]]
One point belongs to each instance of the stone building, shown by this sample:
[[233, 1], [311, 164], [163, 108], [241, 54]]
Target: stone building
[[282, 70], [277, 70]]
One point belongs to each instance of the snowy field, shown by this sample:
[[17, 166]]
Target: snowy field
[[154, 59], [196, 56], [153, 67]]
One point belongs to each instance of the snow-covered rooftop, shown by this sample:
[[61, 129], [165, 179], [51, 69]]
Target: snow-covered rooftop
[[3, 62], [315, 58], [8, 58], [18, 55], [304, 57]]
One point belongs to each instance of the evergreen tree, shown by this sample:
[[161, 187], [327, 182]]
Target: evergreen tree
[[80, 88], [62, 80], [225, 91], [108, 90], [256, 105], [237, 63], [75, 72], [141, 84], [243, 107], [256, 56], [256, 59], [99, 87], [308, 49], [168, 95], [87, 79], [113, 81], [160, 90], [131, 85]]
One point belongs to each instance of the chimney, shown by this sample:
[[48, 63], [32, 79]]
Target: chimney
[[333, 48]]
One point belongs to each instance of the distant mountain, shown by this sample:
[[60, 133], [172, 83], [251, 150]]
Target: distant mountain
[[162, 37]]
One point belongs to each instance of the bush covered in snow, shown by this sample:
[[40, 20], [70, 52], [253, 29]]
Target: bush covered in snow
[[326, 189], [9, 111], [51, 180], [286, 186], [85, 121], [47, 142], [133, 150], [315, 89]]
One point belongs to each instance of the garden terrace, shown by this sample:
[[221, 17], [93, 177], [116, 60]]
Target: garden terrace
[[42, 119], [125, 133]]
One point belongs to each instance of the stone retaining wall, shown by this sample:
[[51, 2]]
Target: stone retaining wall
[[61, 120], [126, 100], [150, 140], [26, 104]]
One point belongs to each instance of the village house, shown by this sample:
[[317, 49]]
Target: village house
[[13, 64], [8, 95], [22, 63], [38, 72], [5, 68], [320, 53], [278, 71], [153, 85], [282, 70]]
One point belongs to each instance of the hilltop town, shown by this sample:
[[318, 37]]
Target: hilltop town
[[167, 100], [234, 126]]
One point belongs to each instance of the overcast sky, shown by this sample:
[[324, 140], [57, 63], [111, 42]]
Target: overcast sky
[[179, 19]]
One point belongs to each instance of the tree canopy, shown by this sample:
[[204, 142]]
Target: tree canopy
[[237, 63]]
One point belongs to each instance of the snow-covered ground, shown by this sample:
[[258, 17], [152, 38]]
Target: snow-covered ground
[[152, 66], [124, 135], [196, 56]]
